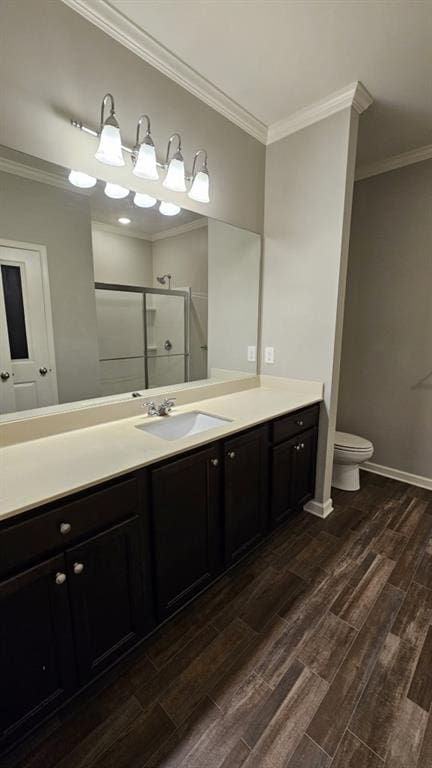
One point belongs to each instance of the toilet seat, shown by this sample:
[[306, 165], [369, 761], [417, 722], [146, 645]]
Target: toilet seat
[[347, 442]]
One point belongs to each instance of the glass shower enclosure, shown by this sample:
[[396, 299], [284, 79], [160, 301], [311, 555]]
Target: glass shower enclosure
[[144, 337]]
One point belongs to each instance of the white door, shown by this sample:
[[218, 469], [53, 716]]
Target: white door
[[27, 369]]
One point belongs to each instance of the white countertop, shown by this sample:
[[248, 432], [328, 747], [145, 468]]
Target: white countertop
[[39, 471]]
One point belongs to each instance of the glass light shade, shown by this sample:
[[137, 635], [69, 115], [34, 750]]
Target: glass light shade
[[115, 191], [169, 209], [144, 201], [109, 150], [175, 178], [199, 190], [82, 180], [145, 166]]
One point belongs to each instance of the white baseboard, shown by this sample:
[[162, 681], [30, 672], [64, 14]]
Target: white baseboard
[[398, 474], [318, 508]]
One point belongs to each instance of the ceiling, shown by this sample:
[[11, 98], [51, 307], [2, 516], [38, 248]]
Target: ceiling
[[275, 57]]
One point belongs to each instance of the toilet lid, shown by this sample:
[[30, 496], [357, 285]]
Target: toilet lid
[[352, 442]]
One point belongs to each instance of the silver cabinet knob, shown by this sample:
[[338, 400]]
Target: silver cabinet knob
[[300, 422], [302, 445], [4, 375], [65, 528], [215, 462], [60, 578], [78, 568], [43, 370], [231, 454], [297, 447]]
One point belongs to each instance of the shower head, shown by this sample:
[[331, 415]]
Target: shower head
[[163, 278]]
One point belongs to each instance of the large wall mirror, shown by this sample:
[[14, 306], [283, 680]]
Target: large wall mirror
[[102, 297]]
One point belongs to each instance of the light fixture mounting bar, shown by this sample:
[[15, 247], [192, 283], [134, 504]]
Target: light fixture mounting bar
[[91, 132]]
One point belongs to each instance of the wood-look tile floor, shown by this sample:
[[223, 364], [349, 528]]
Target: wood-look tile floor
[[316, 652]]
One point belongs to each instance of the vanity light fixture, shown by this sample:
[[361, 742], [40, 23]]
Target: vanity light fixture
[[82, 180], [144, 154], [109, 150], [144, 201], [144, 158], [199, 190], [175, 178], [124, 220], [115, 191], [169, 209]]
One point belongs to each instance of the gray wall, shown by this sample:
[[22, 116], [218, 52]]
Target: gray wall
[[386, 371], [54, 64], [39, 213], [234, 260], [309, 179], [121, 259]]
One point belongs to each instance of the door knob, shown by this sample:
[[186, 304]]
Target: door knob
[[297, 447], [78, 568], [60, 578], [231, 454], [215, 462], [4, 375], [300, 422], [302, 445], [43, 371]]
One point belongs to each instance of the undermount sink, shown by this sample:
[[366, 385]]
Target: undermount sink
[[183, 425]]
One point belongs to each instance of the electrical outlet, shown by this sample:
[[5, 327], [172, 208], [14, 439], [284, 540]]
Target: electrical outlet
[[269, 355], [251, 355]]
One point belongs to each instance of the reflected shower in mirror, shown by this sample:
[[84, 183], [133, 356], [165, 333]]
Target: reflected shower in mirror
[[102, 294]]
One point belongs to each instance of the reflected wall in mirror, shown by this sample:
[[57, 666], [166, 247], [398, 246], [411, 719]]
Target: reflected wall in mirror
[[93, 307]]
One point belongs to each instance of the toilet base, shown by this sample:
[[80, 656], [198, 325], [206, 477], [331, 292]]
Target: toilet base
[[346, 477]]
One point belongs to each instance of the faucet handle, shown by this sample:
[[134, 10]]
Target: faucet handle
[[168, 403], [151, 407]]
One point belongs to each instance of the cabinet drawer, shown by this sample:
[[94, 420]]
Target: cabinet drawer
[[66, 524], [294, 423]]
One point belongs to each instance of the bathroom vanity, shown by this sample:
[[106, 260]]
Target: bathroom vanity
[[85, 578]]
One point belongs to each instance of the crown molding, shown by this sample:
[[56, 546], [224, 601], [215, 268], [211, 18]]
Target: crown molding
[[394, 162], [114, 23], [180, 230], [36, 174], [354, 95]]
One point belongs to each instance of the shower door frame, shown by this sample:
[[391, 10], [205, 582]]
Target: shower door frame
[[161, 292]]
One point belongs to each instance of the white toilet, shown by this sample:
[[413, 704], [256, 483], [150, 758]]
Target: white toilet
[[349, 452]]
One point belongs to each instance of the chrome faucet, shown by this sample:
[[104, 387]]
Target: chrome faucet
[[159, 409]]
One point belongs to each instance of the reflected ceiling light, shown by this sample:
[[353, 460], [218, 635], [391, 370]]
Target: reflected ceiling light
[[82, 180], [144, 154], [124, 220], [144, 201], [115, 191], [199, 190], [109, 150], [175, 178], [169, 209]]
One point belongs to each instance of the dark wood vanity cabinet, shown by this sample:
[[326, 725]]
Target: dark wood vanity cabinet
[[245, 491], [293, 463], [37, 660], [106, 591], [186, 527], [85, 579]]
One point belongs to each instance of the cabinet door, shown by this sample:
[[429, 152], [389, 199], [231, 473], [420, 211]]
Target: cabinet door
[[186, 527], [37, 665], [246, 485], [107, 596], [304, 467], [282, 482]]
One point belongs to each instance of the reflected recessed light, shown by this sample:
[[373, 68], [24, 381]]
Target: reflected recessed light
[[115, 191], [82, 180], [169, 209], [123, 220]]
